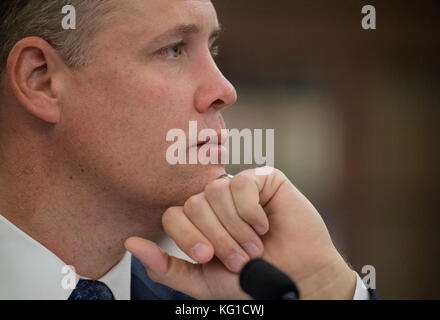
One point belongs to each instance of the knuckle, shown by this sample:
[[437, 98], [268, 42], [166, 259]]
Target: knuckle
[[169, 215], [222, 241], [193, 205], [278, 173], [248, 212], [250, 172], [240, 181], [215, 188]]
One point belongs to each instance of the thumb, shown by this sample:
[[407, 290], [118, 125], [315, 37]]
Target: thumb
[[170, 271]]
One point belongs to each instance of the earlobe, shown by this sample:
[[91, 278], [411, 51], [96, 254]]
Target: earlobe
[[31, 68]]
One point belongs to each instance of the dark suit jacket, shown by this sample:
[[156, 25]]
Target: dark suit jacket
[[143, 288]]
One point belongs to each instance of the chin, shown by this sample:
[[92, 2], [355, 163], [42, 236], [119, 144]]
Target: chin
[[201, 175], [192, 179], [212, 172]]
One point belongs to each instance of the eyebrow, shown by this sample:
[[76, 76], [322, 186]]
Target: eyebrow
[[184, 30]]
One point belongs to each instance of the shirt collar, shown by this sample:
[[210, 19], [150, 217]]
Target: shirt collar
[[30, 271]]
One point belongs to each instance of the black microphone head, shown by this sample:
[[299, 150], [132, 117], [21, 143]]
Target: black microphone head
[[263, 281]]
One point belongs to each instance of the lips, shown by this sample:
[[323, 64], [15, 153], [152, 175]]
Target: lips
[[221, 140]]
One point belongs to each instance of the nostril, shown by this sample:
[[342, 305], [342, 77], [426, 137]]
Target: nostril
[[218, 103]]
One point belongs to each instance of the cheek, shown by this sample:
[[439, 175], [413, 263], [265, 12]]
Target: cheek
[[118, 122], [159, 106], [143, 111]]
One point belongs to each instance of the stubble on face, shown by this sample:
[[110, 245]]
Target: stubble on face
[[119, 109]]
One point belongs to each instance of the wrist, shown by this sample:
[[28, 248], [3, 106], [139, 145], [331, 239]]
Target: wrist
[[336, 281]]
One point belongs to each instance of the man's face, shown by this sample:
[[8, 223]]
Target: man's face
[[153, 71]]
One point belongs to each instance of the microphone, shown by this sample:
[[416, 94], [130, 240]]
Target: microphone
[[263, 281]]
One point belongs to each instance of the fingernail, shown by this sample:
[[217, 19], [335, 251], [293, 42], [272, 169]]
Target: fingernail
[[251, 249], [199, 252], [261, 229], [235, 262]]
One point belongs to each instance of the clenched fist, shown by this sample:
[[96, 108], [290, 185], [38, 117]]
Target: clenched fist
[[241, 218]]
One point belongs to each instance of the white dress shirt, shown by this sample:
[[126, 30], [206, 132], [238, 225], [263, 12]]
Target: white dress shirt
[[30, 271]]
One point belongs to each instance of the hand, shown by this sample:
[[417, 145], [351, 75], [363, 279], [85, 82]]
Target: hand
[[295, 240]]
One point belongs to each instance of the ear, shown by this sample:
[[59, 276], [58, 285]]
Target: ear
[[31, 68]]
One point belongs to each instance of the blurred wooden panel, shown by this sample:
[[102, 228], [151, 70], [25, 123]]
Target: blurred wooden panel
[[384, 85]]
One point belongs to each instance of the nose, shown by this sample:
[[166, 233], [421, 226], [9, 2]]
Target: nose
[[214, 91]]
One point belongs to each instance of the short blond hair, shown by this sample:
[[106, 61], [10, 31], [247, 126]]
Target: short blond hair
[[25, 18]]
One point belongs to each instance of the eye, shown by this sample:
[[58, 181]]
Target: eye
[[172, 52]]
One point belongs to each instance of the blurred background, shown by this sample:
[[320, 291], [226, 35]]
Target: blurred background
[[356, 118]]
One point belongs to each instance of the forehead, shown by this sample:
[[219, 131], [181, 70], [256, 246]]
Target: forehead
[[159, 15]]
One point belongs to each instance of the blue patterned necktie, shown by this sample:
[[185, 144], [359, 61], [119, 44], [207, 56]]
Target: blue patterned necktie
[[91, 290]]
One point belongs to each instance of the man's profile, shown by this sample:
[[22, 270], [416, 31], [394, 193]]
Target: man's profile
[[84, 179]]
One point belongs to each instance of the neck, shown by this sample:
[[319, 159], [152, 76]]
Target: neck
[[85, 228]]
